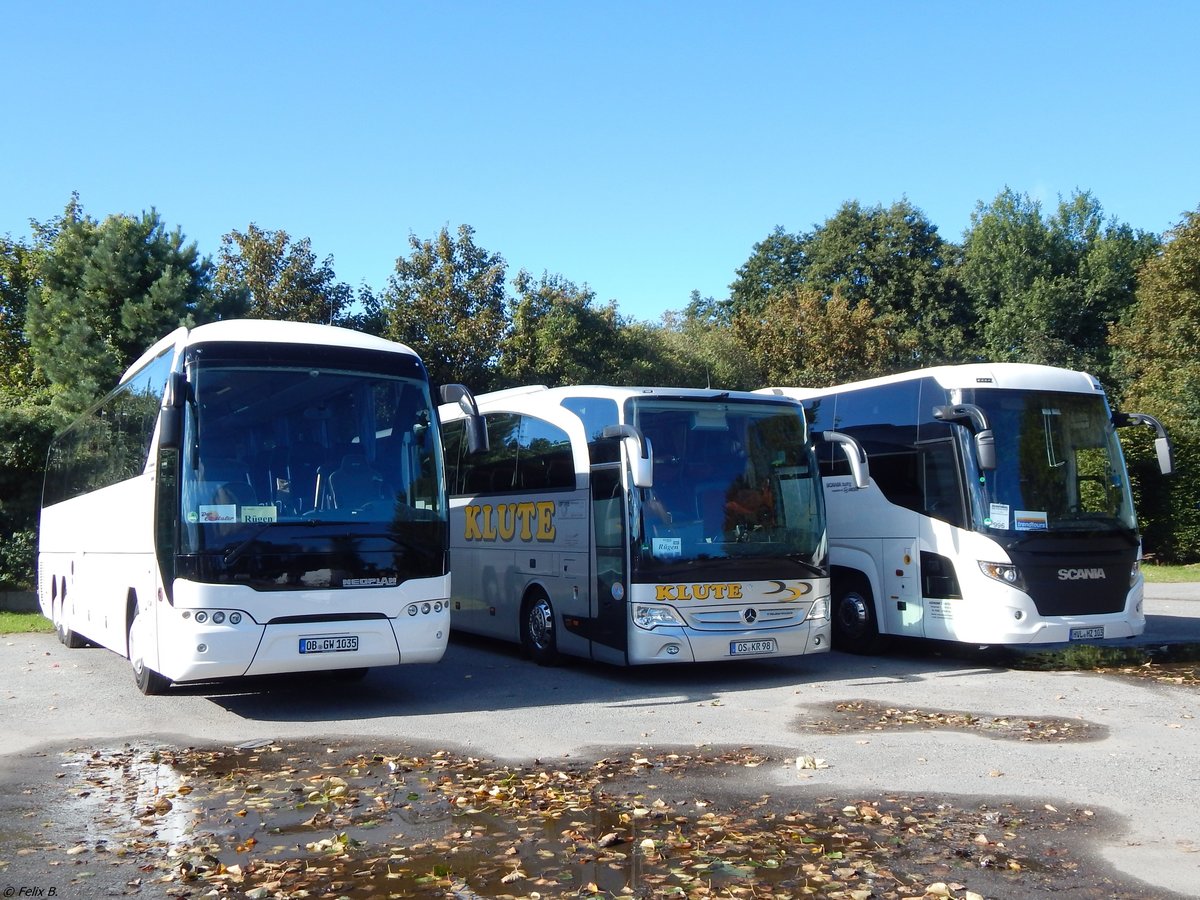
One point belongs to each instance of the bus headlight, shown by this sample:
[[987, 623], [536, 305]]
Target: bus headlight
[[1135, 572], [819, 609], [1003, 572], [653, 616]]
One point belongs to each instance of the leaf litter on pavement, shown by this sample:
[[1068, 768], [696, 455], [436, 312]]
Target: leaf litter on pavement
[[309, 820]]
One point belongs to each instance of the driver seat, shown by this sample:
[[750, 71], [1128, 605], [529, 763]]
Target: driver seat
[[354, 483]]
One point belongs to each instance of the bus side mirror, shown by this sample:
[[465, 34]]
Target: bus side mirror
[[985, 450], [860, 469], [170, 416], [1162, 441], [985, 438], [637, 448], [477, 438]]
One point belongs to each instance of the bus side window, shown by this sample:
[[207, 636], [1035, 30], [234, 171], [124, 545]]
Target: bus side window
[[454, 448], [543, 449]]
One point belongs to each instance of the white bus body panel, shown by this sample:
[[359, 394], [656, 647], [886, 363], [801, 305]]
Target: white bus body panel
[[112, 524], [274, 648], [1008, 616]]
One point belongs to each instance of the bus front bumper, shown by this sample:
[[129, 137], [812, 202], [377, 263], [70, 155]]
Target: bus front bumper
[[676, 644]]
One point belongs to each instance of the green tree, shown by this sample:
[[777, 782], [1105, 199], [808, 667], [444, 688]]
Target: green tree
[[18, 274], [446, 300], [891, 257], [1048, 289], [702, 351], [273, 277], [558, 335], [25, 433], [1156, 358], [108, 290], [803, 338], [777, 261]]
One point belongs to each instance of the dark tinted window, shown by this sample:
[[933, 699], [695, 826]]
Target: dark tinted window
[[111, 442], [525, 454], [597, 413], [913, 457]]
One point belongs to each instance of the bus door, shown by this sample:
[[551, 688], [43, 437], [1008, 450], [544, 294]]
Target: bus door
[[609, 601]]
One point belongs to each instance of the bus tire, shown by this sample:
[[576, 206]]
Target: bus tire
[[147, 680], [855, 626], [66, 636], [538, 634]]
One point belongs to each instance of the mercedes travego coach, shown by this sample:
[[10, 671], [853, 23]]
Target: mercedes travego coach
[[254, 497], [999, 509], [639, 525]]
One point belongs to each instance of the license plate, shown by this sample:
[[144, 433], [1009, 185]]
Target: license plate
[[749, 648], [341, 644], [1087, 634]]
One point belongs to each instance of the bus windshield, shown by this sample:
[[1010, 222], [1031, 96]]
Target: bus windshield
[[270, 444], [731, 479], [1059, 465]]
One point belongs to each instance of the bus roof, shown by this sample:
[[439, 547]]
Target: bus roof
[[268, 331], [555, 394], [1010, 376]]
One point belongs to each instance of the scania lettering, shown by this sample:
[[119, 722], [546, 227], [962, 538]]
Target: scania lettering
[[999, 509], [253, 498], [638, 525], [1076, 574]]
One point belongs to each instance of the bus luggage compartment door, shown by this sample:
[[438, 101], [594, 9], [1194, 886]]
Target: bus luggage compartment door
[[903, 610]]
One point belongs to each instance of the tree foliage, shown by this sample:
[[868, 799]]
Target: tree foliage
[[801, 337], [107, 291], [18, 273], [1157, 359], [701, 348], [1047, 290], [269, 276], [892, 257], [557, 335], [25, 433], [446, 300]]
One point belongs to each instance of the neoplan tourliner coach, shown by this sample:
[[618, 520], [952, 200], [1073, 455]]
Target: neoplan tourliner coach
[[255, 497]]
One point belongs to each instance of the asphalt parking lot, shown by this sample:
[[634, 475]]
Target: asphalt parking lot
[[1138, 769]]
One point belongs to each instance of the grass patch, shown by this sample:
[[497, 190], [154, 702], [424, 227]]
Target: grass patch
[[1173, 664], [24, 622], [1160, 574]]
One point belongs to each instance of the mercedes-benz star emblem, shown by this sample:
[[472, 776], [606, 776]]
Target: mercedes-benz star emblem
[[750, 615]]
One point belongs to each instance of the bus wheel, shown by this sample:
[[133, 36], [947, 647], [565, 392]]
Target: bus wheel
[[537, 630], [855, 629], [66, 636], [148, 681]]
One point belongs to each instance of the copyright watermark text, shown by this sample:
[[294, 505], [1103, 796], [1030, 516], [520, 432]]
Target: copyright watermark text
[[29, 890]]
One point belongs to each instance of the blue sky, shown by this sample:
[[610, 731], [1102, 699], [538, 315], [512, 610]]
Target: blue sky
[[640, 148]]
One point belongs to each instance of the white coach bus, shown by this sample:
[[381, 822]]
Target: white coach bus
[[999, 509], [255, 497], [638, 525]]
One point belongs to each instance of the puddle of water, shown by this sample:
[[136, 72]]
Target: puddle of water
[[275, 821]]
